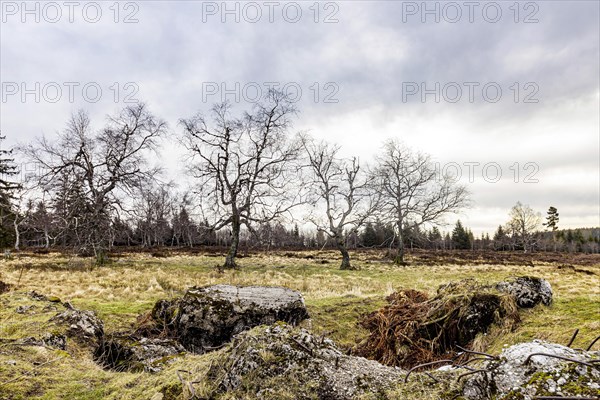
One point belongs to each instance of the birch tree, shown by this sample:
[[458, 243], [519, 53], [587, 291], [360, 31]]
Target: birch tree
[[413, 192], [244, 167], [342, 197], [105, 163]]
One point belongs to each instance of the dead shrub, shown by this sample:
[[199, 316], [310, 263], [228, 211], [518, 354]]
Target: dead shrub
[[414, 329]]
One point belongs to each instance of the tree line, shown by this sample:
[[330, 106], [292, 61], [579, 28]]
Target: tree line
[[250, 180]]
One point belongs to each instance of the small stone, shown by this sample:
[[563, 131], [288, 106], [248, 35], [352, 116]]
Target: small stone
[[23, 309], [55, 341]]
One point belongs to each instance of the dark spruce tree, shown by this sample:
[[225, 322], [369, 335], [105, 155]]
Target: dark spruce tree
[[8, 172], [369, 236], [460, 237]]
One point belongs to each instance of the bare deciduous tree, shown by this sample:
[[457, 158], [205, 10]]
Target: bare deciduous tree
[[413, 193], [151, 212], [523, 223], [342, 189], [244, 166], [104, 163]]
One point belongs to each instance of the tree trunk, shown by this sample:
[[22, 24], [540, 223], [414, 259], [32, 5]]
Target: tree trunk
[[400, 253], [17, 233], [345, 255], [101, 253], [46, 238], [235, 242]]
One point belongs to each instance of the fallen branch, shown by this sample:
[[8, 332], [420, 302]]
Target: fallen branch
[[573, 338], [425, 365], [561, 358], [592, 344], [477, 353]]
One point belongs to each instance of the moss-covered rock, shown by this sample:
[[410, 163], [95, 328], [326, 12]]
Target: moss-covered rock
[[81, 325], [528, 291], [516, 374], [128, 353], [206, 318], [280, 362]]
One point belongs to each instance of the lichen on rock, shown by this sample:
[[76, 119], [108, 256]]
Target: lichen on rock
[[282, 360], [82, 325], [511, 376], [208, 317], [528, 291]]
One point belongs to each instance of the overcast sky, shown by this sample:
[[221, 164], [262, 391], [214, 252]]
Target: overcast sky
[[428, 73]]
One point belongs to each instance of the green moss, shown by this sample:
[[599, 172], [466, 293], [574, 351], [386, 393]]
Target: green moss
[[573, 387], [514, 395], [539, 377], [338, 317]]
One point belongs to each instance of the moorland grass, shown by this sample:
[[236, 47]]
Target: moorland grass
[[336, 300]]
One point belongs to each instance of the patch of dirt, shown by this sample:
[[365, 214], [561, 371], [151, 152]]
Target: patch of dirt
[[574, 269]]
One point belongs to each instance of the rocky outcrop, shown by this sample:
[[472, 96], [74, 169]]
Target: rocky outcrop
[[528, 291], [282, 361], [206, 318], [56, 341], [82, 325], [128, 353], [519, 374]]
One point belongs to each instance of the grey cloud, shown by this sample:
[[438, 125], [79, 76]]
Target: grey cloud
[[170, 53]]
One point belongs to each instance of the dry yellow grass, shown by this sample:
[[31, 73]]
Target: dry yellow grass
[[336, 299]]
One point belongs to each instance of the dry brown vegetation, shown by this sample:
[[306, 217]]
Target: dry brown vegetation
[[414, 329]]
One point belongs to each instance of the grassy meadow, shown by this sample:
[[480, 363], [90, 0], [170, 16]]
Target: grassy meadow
[[130, 285]]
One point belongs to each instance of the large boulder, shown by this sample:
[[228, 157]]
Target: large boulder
[[280, 361], [206, 318], [528, 291], [516, 375]]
